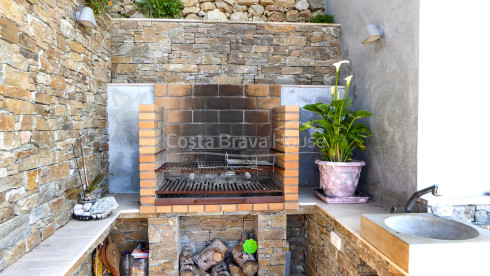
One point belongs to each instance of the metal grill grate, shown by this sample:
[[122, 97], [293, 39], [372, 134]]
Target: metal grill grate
[[182, 186], [215, 166]]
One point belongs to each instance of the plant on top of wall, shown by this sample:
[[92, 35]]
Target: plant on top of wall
[[160, 8], [322, 18], [99, 6], [337, 135]]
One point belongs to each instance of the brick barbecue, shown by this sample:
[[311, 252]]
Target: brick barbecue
[[208, 148]]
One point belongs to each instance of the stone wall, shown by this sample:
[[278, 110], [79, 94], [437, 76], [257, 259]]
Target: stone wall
[[270, 230], [239, 10], [128, 232], [52, 87], [179, 51], [355, 256], [296, 240], [163, 235]]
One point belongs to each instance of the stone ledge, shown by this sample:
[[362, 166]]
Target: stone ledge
[[218, 22]]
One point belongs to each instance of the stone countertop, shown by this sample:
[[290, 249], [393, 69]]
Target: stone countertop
[[349, 215], [59, 253]]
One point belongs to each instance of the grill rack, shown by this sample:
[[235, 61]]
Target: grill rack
[[214, 166], [183, 186], [186, 192]]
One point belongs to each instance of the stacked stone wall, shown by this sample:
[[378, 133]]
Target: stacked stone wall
[[180, 51], [354, 257], [128, 232], [296, 241], [53, 74]]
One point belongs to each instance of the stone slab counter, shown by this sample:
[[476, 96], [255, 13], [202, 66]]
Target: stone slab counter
[[315, 222], [196, 51]]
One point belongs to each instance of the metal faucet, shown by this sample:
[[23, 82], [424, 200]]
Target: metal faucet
[[413, 199]]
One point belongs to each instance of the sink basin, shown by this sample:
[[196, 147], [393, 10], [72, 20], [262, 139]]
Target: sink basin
[[423, 244], [431, 227]]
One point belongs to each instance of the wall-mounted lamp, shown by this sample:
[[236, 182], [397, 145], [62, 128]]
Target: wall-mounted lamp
[[374, 33], [86, 17]]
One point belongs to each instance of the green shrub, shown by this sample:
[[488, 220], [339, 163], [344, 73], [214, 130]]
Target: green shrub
[[322, 18], [99, 6], [160, 8]]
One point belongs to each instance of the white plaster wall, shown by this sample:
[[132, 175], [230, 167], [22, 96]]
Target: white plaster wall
[[453, 96]]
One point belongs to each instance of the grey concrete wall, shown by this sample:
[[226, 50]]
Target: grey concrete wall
[[122, 110], [303, 95], [385, 83]]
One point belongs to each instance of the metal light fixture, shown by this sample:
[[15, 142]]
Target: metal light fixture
[[86, 17], [374, 33]]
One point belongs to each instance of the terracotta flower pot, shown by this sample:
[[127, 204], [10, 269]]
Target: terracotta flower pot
[[339, 179]]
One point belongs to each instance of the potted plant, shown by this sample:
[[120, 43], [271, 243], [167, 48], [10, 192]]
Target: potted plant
[[337, 135]]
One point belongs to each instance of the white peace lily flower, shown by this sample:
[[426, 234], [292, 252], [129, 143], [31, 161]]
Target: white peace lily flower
[[337, 64]]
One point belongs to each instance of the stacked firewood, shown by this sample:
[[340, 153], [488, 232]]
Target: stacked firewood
[[212, 261]]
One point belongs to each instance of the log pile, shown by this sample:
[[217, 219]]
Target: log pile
[[214, 261]]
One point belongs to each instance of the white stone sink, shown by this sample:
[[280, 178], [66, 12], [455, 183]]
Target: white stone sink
[[423, 244], [431, 227]]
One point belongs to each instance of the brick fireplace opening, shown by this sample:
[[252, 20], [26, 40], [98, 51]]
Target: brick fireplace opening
[[209, 148]]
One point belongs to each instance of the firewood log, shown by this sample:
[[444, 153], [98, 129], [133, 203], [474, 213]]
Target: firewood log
[[212, 255], [245, 261], [220, 270], [235, 270], [187, 266]]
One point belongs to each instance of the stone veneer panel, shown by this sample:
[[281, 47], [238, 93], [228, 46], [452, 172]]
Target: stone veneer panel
[[179, 51], [296, 239], [53, 74], [163, 235], [271, 235], [128, 232], [355, 257]]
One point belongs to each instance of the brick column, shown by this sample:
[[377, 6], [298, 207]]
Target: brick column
[[163, 235], [151, 143], [286, 142], [270, 231]]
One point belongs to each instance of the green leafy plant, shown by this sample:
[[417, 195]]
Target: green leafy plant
[[94, 184], [160, 8], [99, 6], [336, 134], [322, 18], [250, 246]]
